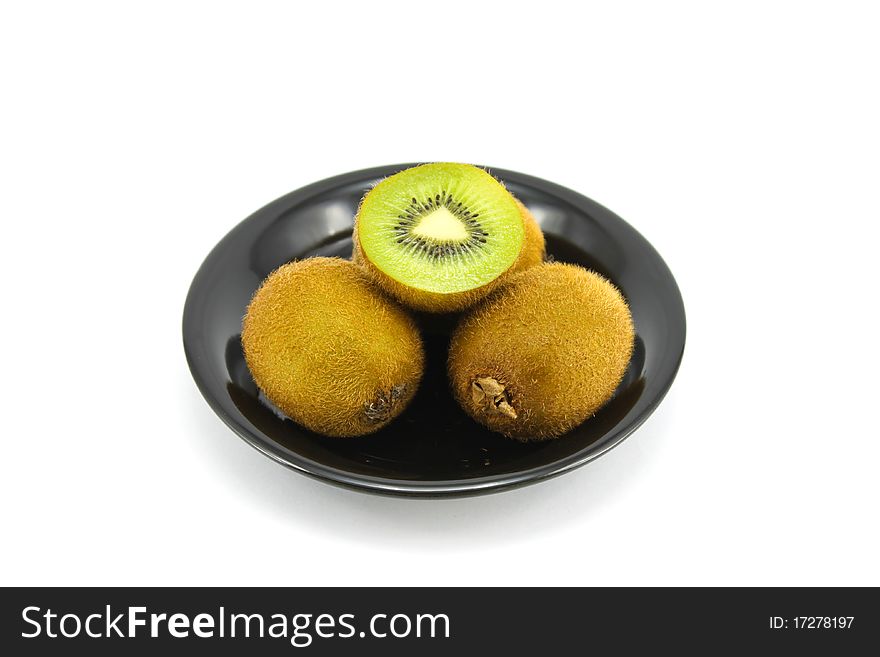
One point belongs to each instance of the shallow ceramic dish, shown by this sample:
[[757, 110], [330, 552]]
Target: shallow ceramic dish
[[433, 449]]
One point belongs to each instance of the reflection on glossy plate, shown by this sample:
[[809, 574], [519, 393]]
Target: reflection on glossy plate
[[433, 449]]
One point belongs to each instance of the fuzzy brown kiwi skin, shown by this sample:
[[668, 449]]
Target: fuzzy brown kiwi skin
[[329, 350], [531, 254], [543, 354], [534, 246]]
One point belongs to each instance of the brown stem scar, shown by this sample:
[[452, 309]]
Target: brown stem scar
[[487, 393], [383, 404]]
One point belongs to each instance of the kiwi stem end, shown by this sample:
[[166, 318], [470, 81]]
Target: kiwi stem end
[[489, 394], [382, 407]]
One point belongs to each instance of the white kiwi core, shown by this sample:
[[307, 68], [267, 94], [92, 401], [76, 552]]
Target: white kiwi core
[[441, 225]]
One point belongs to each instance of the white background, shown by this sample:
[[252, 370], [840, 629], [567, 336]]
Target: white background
[[740, 138]]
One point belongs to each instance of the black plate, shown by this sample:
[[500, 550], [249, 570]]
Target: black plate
[[433, 449]]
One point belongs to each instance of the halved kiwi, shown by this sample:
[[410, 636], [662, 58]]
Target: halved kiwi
[[441, 236]]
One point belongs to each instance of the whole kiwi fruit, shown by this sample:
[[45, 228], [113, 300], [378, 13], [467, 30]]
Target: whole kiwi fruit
[[329, 350], [439, 237], [543, 353]]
